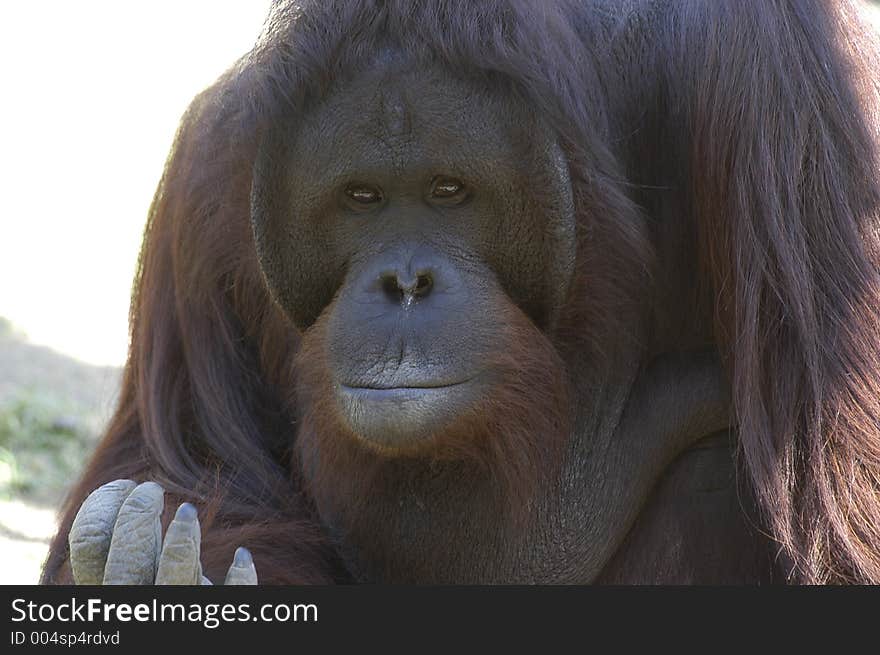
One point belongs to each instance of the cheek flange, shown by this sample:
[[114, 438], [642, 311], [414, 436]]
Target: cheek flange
[[298, 259]]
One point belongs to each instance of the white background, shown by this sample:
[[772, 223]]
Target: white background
[[91, 92]]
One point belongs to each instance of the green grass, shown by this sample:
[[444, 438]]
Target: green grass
[[44, 443], [52, 409]]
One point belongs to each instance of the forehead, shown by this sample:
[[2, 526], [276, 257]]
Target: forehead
[[402, 120]]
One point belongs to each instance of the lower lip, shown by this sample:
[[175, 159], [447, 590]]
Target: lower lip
[[398, 417]]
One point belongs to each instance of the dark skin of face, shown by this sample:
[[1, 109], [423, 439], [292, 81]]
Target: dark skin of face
[[440, 235], [437, 292], [409, 232]]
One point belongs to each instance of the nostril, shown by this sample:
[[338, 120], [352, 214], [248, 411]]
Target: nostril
[[424, 283], [391, 288], [399, 289]]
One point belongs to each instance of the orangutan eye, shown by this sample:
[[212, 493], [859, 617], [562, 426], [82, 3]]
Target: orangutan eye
[[363, 194], [447, 187]]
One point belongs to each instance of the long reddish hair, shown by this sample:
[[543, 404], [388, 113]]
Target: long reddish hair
[[770, 110]]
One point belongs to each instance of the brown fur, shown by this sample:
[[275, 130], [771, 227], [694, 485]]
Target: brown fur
[[760, 147]]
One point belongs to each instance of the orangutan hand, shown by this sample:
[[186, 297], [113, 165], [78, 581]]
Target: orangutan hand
[[116, 538]]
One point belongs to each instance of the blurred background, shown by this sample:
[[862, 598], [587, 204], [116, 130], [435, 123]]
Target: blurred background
[[92, 94], [93, 91]]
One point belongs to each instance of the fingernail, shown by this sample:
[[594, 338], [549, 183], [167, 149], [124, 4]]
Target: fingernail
[[186, 512], [242, 557]]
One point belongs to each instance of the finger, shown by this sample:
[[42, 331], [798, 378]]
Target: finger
[[134, 548], [92, 529], [179, 561], [242, 571]]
